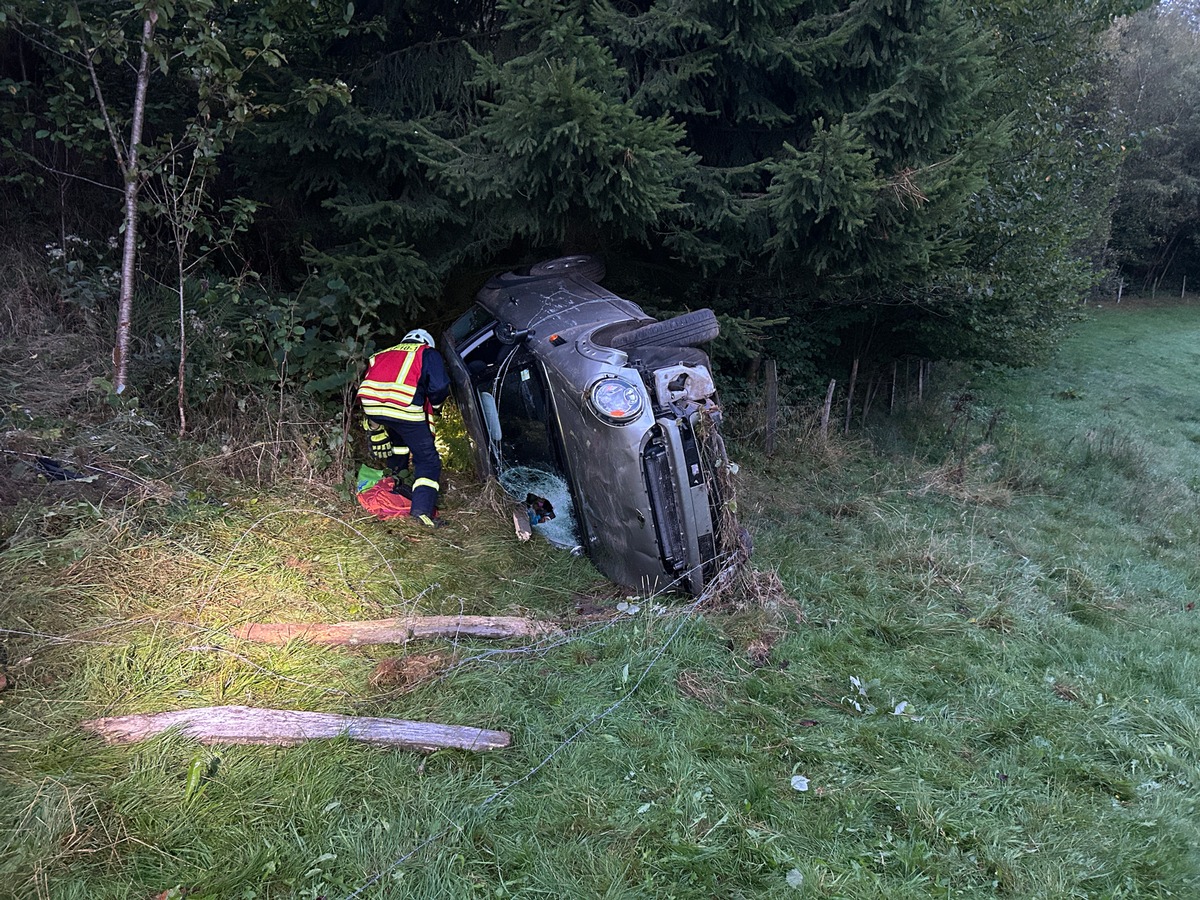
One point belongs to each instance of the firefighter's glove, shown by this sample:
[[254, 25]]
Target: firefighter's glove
[[381, 444], [436, 410]]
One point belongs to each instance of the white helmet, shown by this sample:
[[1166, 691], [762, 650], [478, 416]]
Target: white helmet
[[419, 336]]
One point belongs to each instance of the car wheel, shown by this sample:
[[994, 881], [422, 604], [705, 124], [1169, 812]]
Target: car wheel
[[687, 330], [590, 267]]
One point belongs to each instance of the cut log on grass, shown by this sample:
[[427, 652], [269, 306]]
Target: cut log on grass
[[284, 727], [395, 631]]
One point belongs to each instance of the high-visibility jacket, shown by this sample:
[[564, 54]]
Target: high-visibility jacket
[[393, 387]]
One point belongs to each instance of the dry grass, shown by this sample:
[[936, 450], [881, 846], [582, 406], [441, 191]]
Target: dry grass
[[798, 433], [29, 301], [706, 688], [401, 674], [969, 478]]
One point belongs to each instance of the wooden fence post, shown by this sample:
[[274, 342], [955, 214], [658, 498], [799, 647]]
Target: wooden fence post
[[850, 395], [772, 379], [826, 410]]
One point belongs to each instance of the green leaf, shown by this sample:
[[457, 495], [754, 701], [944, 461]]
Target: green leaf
[[329, 383], [195, 776]]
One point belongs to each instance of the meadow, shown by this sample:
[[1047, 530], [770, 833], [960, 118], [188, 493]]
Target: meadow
[[965, 663]]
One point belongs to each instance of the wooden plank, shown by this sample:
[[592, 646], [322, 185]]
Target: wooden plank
[[395, 631], [285, 727]]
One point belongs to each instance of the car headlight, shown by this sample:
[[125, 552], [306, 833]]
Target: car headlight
[[617, 399]]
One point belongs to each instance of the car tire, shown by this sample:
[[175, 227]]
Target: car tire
[[590, 267], [687, 330]]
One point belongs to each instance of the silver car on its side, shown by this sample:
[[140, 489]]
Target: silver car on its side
[[601, 419]]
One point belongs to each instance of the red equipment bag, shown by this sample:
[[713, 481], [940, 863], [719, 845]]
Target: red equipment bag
[[380, 502]]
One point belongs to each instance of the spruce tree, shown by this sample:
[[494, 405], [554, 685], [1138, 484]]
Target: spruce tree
[[839, 147]]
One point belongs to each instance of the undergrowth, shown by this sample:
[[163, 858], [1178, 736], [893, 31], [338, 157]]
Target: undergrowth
[[969, 668]]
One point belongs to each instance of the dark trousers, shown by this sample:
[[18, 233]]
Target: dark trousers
[[427, 464]]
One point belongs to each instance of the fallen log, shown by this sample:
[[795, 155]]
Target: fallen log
[[395, 631], [284, 727]]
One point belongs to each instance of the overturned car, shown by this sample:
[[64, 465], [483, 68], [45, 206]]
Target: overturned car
[[603, 421]]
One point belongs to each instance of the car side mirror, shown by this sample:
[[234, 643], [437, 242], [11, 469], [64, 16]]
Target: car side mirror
[[506, 333]]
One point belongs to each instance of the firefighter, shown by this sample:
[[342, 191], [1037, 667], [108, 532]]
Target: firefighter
[[404, 387]]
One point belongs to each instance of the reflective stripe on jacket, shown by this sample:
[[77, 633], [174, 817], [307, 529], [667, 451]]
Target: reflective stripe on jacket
[[391, 382]]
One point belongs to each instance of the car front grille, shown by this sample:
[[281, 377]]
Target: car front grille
[[664, 504]]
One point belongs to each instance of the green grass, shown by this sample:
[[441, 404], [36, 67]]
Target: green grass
[[989, 676]]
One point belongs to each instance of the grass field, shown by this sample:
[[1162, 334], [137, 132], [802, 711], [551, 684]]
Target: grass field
[[967, 667]]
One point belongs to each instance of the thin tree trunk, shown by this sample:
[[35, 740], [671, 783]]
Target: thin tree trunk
[[184, 204], [850, 395], [920, 380], [872, 386], [772, 379], [133, 183], [182, 344], [892, 400], [1173, 247], [825, 411]]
